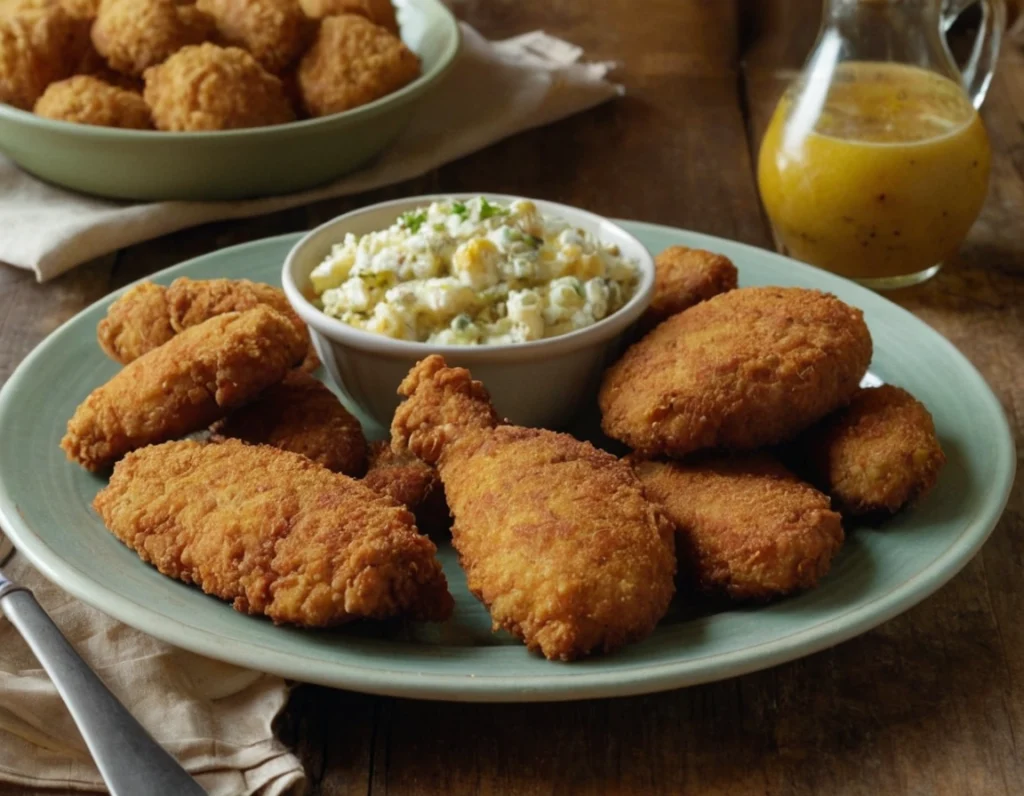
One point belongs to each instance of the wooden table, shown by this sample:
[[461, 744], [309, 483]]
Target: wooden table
[[930, 703]]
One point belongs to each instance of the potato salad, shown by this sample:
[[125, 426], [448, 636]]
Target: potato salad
[[474, 272]]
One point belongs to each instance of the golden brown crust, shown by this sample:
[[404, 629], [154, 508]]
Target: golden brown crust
[[448, 403], [353, 62], [747, 526], [133, 35], [303, 416], [136, 323], [684, 277], [275, 32], [555, 536], [183, 386], [206, 87], [192, 301], [38, 45], [81, 9], [747, 368], [379, 12], [877, 455], [273, 533], [88, 100], [409, 481]]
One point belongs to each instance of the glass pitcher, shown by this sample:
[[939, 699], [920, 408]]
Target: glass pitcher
[[875, 164]]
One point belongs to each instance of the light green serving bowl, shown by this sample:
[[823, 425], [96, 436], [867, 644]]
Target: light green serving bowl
[[232, 164]]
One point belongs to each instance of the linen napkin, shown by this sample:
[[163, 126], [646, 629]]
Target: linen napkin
[[213, 717], [494, 89]]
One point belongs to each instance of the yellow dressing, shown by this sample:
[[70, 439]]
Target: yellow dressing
[[885, 181]]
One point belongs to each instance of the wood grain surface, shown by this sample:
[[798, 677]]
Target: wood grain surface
[[931, 702]]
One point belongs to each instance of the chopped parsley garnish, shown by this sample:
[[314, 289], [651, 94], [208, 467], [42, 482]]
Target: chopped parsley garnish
[[460, 209], [461, 322], [577, 285], [535, 241], [487, 210], [412, 221]]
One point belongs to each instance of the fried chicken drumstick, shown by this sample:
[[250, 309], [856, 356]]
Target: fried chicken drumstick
[[556, 536]]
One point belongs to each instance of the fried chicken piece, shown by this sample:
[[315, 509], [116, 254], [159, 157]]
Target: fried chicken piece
[[206, 87], [411, 482], [88, 100], [184, 385], [303, 416], [192, 301], [379, 12], [744, 369], [136, 323], [273, 533], [876, 455], [149, 315], [353, 62], [38, 45], [556, 536], [133, 35], [747, 527], [684, 277], [274, 32]]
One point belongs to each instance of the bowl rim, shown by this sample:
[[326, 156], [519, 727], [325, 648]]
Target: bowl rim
[[338, 331], [395, 99]]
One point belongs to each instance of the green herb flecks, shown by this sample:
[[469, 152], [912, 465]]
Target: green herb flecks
[[412, 220], [488, 210], [459, 209]]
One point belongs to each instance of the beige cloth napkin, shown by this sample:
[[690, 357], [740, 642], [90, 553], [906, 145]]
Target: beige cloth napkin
[[213, 717], [494, 90]]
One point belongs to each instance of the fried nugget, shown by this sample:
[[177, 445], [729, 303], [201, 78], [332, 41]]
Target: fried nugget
[[747, 368], [206, 87], [87, 100], [184, 385], [555, 536], [353, 62], [747, 526], [136, 323], [303, 416], [684, 277], [273, 533], [876, 455], [411, 482], [37, 47], [149, 315], [275, 32], [133, 35], [379, 12]]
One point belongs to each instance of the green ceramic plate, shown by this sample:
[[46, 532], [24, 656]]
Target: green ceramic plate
[[233, 164], [45, 508]]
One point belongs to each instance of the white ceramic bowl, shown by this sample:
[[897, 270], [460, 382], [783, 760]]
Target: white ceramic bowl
[[539, 383]]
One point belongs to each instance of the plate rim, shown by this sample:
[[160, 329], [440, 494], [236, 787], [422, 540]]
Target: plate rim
[[630, 680]]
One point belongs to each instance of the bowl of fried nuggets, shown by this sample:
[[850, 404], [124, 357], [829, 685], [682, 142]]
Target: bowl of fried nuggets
[[752, 444], [221, 99]]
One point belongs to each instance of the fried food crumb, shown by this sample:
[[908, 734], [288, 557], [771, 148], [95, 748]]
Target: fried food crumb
[[379, 12], [37, 47]]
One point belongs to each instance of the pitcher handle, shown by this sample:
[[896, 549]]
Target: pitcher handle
[[978, 71]]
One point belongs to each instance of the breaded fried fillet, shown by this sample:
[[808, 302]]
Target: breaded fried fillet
[[184, 385], [273, 533]]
